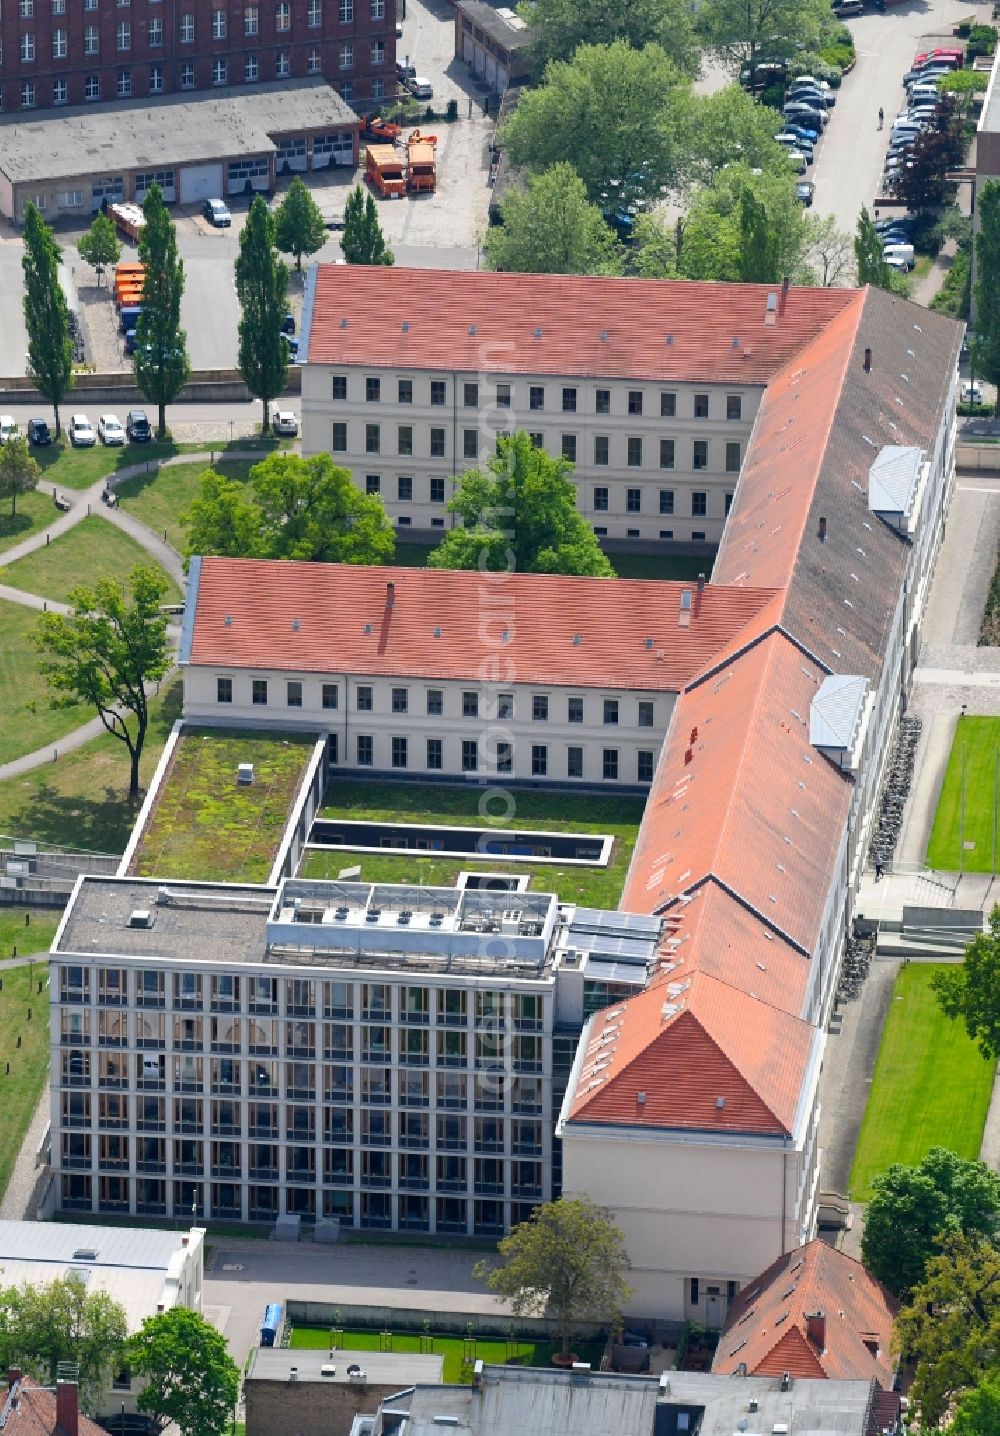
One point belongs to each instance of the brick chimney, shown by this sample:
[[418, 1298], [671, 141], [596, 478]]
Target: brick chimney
[[67, 1408], [14, 1375], [816, 1329]]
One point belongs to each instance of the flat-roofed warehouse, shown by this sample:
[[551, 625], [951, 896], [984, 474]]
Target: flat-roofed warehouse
[[69, 161]]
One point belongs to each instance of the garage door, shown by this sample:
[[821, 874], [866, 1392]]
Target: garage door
[[491, 69], [200, 182], [502, 80], [468, 49]]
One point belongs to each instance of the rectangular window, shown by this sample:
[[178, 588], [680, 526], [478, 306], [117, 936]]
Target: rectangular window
[[218, 24], [539, 760], [294, 693], [437, 443], [601, 501], [187, 83], [633, 501], [373, 483], [364, 699], [345, 12], [27, 49], [569, 401], [634, 458], [701, 406], [505, 758], [90, 40], [59, 45], [220, 72], [666, 453], [503, 396], [123, 35], [574, 762], [470, 704], [377, 9], [470, 755], [314, 14], [92, 87], [611, 710], [699, 454], [437, 491], [373, 438], [26, 9], [338, 441], [505, 707], [60, 94], [645, 713], [643, 766], [434, 753], [574, 710], [399, 758], [405, 391], [470, 443], [668, 405], [536, 396], [699, 504], [734, 406], [400, 700], [635, 401], [59, 7], [603, 401], [154, 31], [439, 391], [283, 15], [540, 707], [601, 444], [259, 691], [339, 387], [365, 751], [609, 764], [732, 458], [187, 29], [373, 389], [251, 69], [470, 396], [404, 488], [569, 447], [435, 702], [251, 20], [330, 695], [223, 690], [124, 86], [729, 503]]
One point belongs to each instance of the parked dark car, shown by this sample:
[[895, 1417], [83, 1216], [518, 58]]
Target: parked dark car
[[288, 324], [137, 426], [130, 1424], [39, 432]]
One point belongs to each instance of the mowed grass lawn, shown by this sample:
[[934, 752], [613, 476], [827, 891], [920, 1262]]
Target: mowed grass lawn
[[81, 801], [71, 468], [979, 740], [21, 1088], [93, 549], [34, 511], [459, 805], [27, 721], [161, 497], [27, 929], [206, 826], [451, 1348], [931, 1086]]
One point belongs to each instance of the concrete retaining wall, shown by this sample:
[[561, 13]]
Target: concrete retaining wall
[[981, 458], [208, 386], [395, 1318]]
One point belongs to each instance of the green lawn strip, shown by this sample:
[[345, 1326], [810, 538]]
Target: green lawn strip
[[492, 1350], [34, 512], [161, 496], [92, 549], [978, 739], [27, 721], [21, 1087], [931, 1086], [33, 935], [626, 565], [459, 806], [81, 801], [70, 468], [206, 826]]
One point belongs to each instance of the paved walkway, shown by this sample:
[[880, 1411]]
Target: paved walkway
[[27, 1181]]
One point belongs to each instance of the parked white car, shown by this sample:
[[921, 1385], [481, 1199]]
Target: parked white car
[[81, 432], [110, 430], [285, 422], [972, 392], [8, 428]]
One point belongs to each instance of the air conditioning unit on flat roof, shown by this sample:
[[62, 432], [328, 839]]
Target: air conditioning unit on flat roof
[[139, 917], [244, 773]]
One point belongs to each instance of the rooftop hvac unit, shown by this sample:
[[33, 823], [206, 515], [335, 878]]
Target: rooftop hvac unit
[[139, 917], [244, 773]]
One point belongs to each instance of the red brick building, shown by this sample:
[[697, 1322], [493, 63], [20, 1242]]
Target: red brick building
[[71, 52]]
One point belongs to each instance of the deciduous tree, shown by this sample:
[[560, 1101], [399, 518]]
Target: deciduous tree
[[310, 509], [740, 31], [560, 27], [758, 244], [223, 519], [567, 1262], [728, 127], [61, 1320], [161, 361], [964, 87], [298, 224], [262, 289], [922, 182], [19, 471], [520, 514], [970, 990], [830, 253], [612, 113], [100, 247], [986, 356], [912, 1208], [46, 315], [190, 1377], [104, 652], [362, 241], [551, 228], [978, 1411]]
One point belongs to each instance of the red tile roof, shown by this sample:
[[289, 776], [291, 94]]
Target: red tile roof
[[474, 321], [32, 1412], [768, 1328], [629, 632]]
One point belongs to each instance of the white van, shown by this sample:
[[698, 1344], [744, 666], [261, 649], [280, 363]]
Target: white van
[[8, 428], [902, 252]]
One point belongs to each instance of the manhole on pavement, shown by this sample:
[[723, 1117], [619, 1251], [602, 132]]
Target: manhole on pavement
[[232, 1266]]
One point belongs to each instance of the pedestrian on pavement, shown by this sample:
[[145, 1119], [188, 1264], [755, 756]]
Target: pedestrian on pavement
[[879, 870], [881, 117]]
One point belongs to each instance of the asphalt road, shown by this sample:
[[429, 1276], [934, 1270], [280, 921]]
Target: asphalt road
[[848, 168]]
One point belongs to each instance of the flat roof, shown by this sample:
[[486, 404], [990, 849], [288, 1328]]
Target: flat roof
[[175, 130], [381, 1368], [502, 24]]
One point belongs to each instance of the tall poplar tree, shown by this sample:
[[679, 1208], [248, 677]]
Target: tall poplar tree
[[986, 344], [869, 251], [46, 314], [262, 287], [161, 361]]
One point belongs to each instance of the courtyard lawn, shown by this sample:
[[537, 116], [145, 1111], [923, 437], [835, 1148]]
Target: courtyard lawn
[[460, 1354], [27, 929], [34, 511], [979, 740], [21, 1087], [81, 801], [70, 468], [93, 549], [626, 565], [458, 805], [931, 1086], [27, 721], [204, 825], [161, 496]]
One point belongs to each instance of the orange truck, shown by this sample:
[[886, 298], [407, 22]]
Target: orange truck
[[129, 280], [421, 163], [384, 169]]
